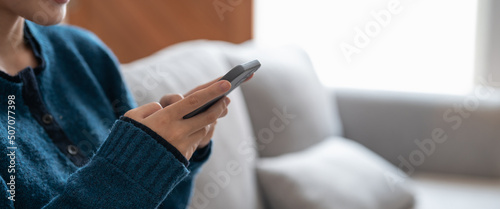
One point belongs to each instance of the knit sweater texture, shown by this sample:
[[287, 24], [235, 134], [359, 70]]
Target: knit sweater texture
[[64, 142]]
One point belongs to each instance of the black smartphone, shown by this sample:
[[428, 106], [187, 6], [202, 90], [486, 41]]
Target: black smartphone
[[236, 76]]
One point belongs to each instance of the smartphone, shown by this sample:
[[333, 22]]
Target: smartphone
[[236, 76]]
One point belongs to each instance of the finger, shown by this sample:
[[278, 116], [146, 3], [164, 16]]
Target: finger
[[226, 110], [199, 135], [202, 86], [143, 111], [224, 113], [198, 99], [206, 140], [208, 117], [170, 99]]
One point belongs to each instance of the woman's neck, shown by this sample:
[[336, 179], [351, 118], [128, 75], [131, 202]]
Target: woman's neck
[[11, 32], [15, 55]]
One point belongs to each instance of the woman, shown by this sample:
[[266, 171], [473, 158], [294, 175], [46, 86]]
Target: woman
[[71, 136]]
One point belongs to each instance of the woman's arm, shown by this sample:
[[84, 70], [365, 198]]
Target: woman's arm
[[130, 170]]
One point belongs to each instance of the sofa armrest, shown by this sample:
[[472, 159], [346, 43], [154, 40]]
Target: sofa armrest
[[451, 134]]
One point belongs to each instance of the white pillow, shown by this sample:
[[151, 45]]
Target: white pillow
[[228, 179], [286, 101], [336, 173]]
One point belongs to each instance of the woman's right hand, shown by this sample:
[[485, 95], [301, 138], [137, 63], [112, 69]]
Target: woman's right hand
[[168, 122]]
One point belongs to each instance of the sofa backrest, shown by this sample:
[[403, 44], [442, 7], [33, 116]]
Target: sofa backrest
[[402, 127]]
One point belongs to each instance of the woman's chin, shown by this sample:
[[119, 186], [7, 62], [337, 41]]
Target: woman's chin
[[47, 19]]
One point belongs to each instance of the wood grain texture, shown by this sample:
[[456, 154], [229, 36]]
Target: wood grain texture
[[134, 29]]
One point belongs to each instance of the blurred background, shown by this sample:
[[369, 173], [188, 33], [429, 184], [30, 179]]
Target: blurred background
[[411, 46]]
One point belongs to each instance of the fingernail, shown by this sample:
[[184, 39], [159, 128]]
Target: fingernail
[[224, 86]]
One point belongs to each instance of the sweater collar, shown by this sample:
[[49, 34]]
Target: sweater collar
[[31, 34]]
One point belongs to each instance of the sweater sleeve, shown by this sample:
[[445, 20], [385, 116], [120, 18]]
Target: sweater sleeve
[[130, 170], [180, 197], [111, 80]]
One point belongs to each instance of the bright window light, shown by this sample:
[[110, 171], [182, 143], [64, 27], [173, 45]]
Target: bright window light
[[403, 45]]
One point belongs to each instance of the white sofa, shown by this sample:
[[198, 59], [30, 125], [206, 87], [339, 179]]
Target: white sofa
[[286, 142]]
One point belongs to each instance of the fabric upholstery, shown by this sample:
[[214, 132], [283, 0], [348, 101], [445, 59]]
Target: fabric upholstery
[[336, 173], [289, 108]]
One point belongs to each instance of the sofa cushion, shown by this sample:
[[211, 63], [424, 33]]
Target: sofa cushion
[[438, 190], [336, 173], [289, 108], [178, 69]]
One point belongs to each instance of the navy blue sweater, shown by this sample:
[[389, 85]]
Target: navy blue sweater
[[63, 143]]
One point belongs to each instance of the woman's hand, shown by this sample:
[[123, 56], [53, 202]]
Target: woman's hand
[[173, 98], [166, 117]]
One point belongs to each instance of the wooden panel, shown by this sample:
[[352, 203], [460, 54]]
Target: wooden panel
[[137, 28]]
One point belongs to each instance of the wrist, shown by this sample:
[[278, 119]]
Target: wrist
[[178, 155]]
